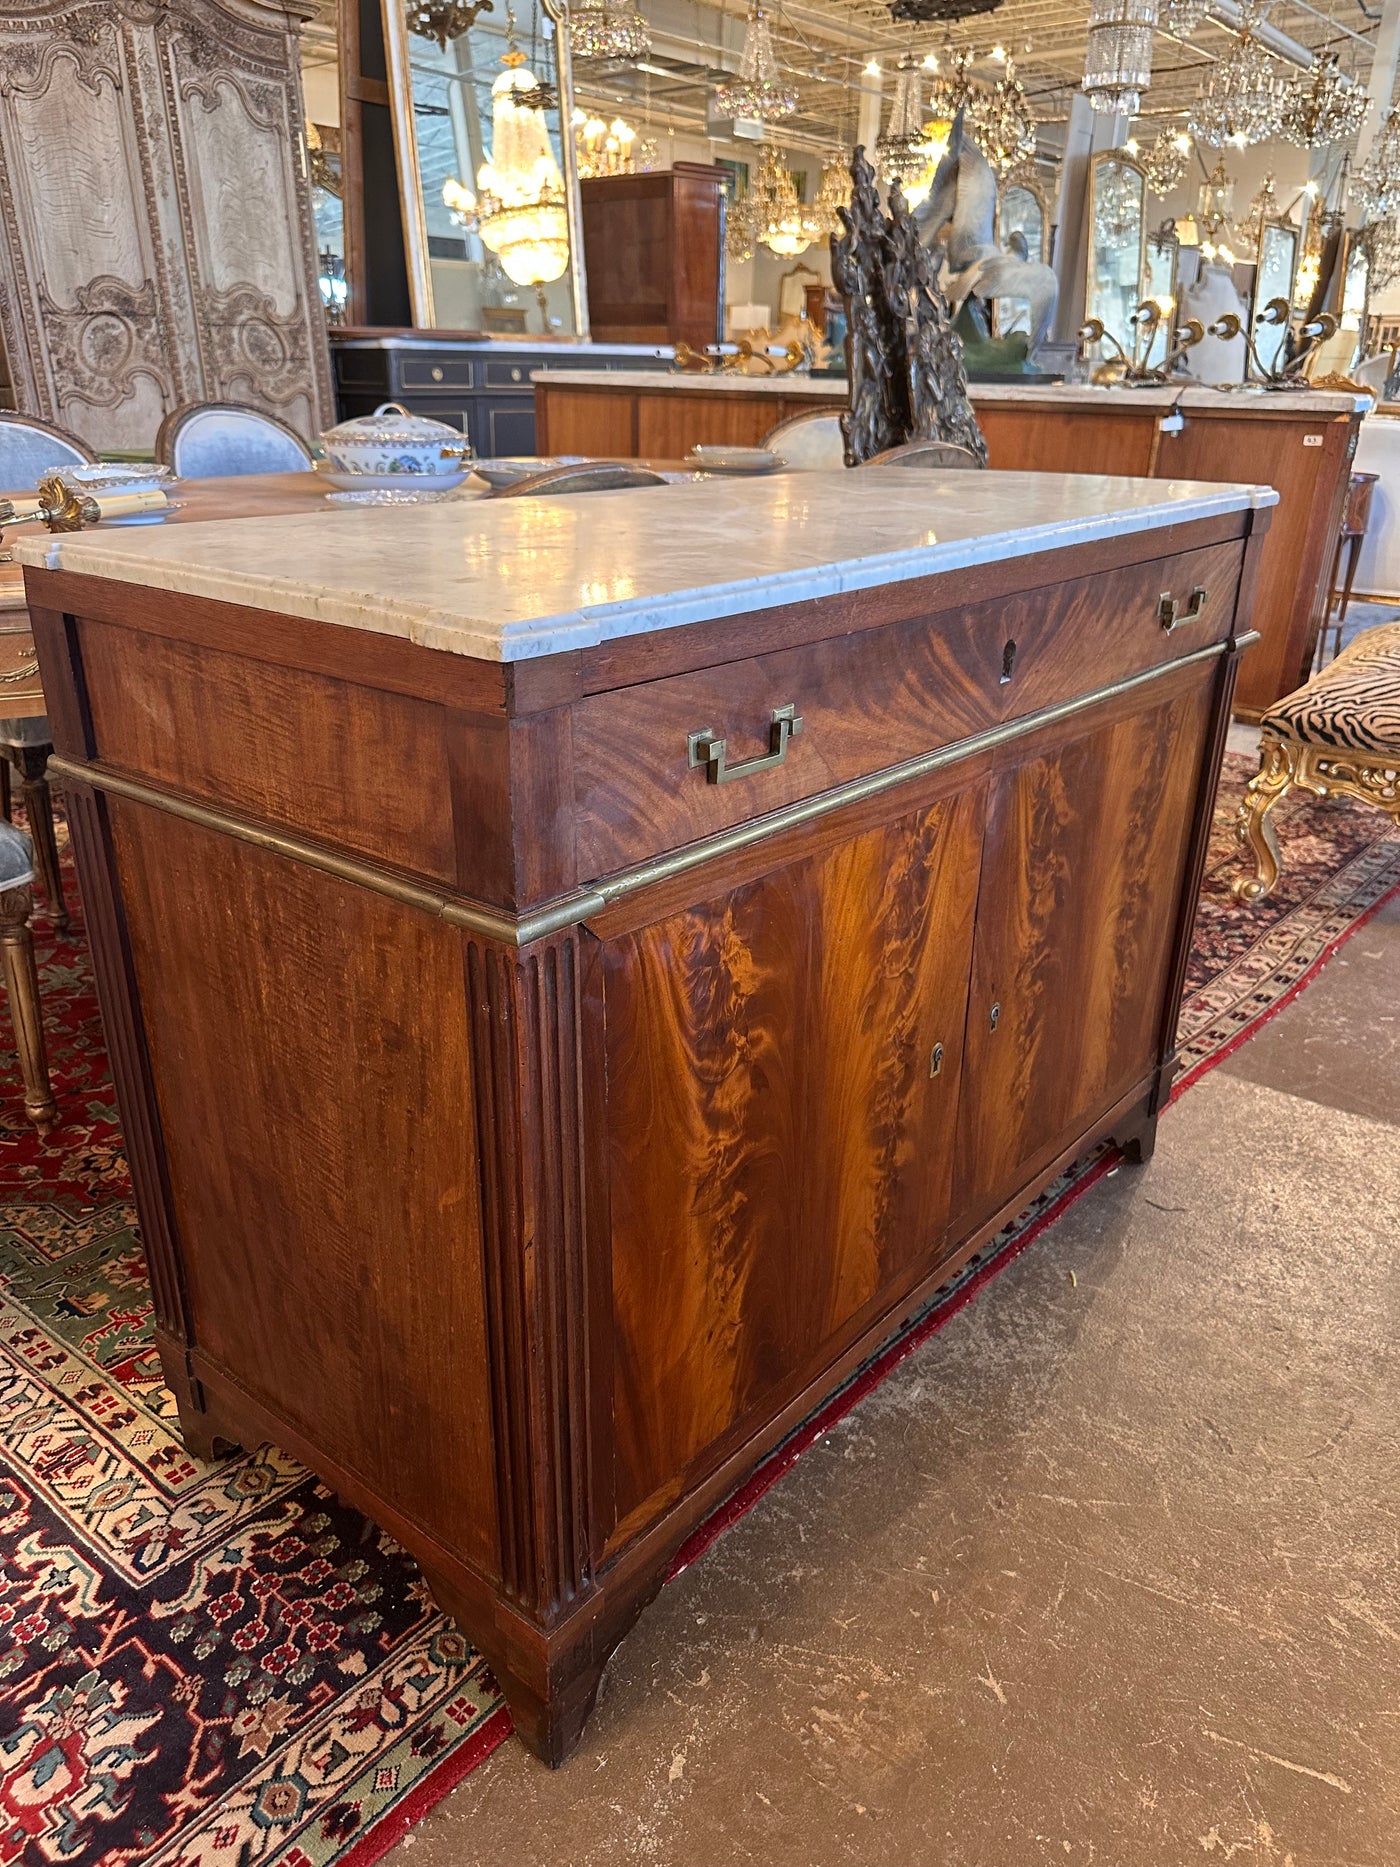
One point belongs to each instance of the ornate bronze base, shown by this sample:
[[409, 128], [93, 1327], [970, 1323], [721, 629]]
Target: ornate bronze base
[[1327, 771]]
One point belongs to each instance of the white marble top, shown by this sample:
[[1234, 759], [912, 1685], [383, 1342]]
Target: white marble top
[[1069, 395], [507, 579]]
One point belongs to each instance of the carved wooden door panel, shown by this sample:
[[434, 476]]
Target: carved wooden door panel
[[783, 1064], [1082, 871], [155, 230]]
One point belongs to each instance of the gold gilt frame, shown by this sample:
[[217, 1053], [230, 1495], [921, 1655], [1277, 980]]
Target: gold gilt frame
[[1096, 167], [415, 228]]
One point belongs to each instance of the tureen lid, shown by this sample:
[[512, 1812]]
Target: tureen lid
[[393, 424]]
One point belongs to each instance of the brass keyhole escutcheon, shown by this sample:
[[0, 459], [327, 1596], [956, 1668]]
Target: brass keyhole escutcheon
[[995, 1018], [1008, 662], [935, 1062]]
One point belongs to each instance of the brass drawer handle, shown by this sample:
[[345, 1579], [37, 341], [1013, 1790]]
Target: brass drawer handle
[[26, 671], [1172, 616], [709, 750]]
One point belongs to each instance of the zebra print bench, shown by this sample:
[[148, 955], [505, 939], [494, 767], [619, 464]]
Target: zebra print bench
[[1338, 735]]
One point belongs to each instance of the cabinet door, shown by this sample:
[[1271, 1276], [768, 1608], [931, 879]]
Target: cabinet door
[[1082, 873], [779, 1129]]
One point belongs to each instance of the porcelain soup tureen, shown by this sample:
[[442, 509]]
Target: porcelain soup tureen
[[391, 443]]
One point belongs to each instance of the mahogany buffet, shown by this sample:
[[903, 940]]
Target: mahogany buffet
[[581, 972], [1300, 443]]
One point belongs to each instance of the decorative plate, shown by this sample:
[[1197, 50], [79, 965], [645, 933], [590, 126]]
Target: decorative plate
[[412, 486], [734, 459], [390, 496]]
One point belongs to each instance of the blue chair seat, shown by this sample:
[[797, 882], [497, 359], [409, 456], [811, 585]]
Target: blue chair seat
[[16, 857]]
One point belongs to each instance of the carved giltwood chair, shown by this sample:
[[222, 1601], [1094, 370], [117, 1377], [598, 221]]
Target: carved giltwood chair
[[1337, 736], [940, 455], [809, 443], [22, 976]]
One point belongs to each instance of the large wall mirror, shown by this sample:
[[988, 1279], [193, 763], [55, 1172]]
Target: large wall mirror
[[472, 264], [1022, 209], [1275, 266], [1162, 256], [1117, 240]]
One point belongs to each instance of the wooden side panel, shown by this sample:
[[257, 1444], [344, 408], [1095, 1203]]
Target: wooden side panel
[[1306, 460], [585, 421], [364, 767], [778, 1148], [1081, 877], [670, 422], [1042, 437], [320, 1135]]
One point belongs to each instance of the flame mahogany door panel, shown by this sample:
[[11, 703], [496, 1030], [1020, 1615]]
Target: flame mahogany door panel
[[780, 1130], [1081, 884]]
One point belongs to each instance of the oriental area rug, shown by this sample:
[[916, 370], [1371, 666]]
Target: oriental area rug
[[224, 1666]]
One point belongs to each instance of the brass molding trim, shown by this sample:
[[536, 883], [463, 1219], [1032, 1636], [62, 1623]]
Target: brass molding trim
[[576, 907]]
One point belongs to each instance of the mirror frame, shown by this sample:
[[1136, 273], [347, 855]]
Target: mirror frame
[[1163, 241], [1042, 200], [1285, 225], [1096, 163], [411, 205]]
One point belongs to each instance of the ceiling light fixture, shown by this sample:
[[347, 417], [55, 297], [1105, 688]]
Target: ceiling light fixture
[[1322, 106], [1242, 100], [1118, 57], [759, 93]]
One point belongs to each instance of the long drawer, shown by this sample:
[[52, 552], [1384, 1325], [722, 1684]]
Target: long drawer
[[648, 776]]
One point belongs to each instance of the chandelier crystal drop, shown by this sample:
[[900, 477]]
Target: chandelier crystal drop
[[759, 94], [1182, 17], [781, 222], [1322, 106], [1243, 99], [608, 29], [1166, 162], [444, 20], [1000, 120], [901, 152], [952, 89], [1376, 189], [519, 205], [1118, 58]]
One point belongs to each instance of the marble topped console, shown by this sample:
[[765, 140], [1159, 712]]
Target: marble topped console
[[581, 973]]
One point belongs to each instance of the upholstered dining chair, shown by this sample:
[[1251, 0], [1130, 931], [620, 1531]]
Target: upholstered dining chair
[[810, 443], [937, 454], [30, 448], [22, 975], [217, 440]]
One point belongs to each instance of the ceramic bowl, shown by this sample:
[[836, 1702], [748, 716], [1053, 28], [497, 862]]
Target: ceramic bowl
[[391, 442]]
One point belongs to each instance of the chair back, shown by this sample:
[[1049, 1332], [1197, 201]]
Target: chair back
[[586, 476], [809, 443], [30, 448], [942, 454], [216, 440]]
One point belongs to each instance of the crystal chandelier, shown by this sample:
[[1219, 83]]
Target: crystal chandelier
[[518, 208], [444, 20], [759, 93], [952, 88], [607, 148], [1001, 123], [1118, 58], [1165, 163], [781, 222], [1216, 200], [1382, 239], [1321, 106], [1377, 187], [1182, 17], [741, 227], [608, 29], [1264, 206], [833, 191], [902, 152], [1242, 100]]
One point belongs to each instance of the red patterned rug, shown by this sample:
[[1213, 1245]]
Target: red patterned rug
[[223, 1666]]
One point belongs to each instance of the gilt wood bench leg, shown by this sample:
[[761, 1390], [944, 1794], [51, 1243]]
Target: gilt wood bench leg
[[22, 985], [38, 802], [1253, 830]]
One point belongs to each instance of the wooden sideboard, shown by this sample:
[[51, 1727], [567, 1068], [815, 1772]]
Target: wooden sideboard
[[530, 1144], [653, 249], [1299, 444]]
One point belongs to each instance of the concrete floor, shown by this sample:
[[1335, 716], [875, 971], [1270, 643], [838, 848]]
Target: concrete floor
[[1106, 1572]]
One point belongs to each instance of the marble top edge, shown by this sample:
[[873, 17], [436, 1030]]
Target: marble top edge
[[510, 580], [1176, 395]]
